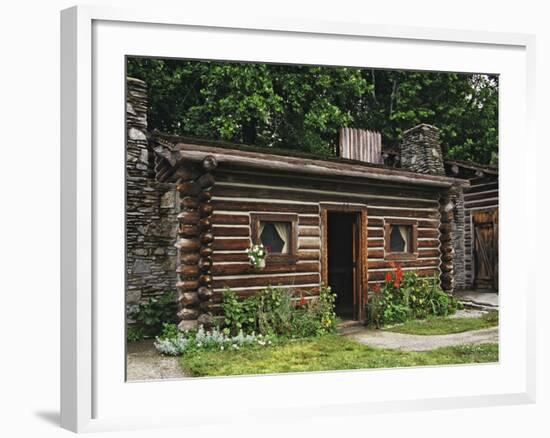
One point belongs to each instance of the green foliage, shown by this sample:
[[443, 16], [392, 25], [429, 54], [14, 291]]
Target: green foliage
[[406, 295], [151, 315], [134, 334], [324, 353], [442, 325], [275, 312], [302, 107]]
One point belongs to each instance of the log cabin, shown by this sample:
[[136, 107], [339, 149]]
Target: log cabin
[[342, 221]]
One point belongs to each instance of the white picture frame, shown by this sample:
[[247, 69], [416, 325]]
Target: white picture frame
[[93, 42]]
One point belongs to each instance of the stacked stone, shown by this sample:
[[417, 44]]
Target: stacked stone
[[458, 235], [446, 239], [194, 244], [151, 209], [421, 150]]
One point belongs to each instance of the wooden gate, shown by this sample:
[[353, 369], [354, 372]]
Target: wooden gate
[[485, 230]]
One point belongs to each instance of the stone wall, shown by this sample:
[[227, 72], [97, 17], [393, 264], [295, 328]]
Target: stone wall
[[457, 230], [151, 210], [421, 150]]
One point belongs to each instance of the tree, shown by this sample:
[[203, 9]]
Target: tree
[[302, 107]]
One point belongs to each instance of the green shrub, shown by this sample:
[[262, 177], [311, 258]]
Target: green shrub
[[134, 334], [151, 315], [406, 295], [274, 311]]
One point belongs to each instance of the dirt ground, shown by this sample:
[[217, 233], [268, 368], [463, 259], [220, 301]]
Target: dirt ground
[[145, 363]]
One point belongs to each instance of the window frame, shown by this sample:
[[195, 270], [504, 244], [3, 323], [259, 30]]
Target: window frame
[[409, 255], [292, 255]]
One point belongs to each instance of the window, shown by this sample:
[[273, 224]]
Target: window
[[275, 236], [278, 234], [400, 239]]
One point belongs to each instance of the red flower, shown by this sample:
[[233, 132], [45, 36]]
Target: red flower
[[388, 277], [302, 301]]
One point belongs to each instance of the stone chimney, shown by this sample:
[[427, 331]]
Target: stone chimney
[[421, 150]]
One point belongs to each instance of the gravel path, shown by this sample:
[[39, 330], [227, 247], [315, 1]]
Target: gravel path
[[145, 363], [380, 338]]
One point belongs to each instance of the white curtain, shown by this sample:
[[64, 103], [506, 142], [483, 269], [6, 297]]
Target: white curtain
[[262, 225], [404, 231], [282, 230]]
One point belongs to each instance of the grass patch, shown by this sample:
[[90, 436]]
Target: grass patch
[[445, 325], [330, 352]]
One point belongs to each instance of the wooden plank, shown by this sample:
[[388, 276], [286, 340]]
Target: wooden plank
[[375, 243], [265, 281], [304, 196], [222, 269], [230, 244], [425, 253], [351, 185], [309, 232], [230, 219], [307, 243], [423, 233], [238, 205], [468, 197], [477, 204], [482, 187], [428, 243], [419, 263], [308, 220], [376, 232], [380, 275], [405, 213], [218, 257], [375, 253], [231, 231]]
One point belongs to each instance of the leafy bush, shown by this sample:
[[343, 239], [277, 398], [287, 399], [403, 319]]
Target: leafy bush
[[275, 311], [177, 343], [406, 295], [134, 334], [151, 316]]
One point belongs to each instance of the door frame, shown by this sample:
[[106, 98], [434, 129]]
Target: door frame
[[360, 248]]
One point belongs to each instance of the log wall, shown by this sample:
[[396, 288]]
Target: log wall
[[235, 196], [481, 195]]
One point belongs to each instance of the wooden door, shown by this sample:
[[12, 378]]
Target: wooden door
[[485, 230]]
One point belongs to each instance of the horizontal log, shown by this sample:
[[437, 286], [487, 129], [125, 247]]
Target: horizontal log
[[428, 243], [484, 203], [231, 231], [230, 244], [188, 245], [309, 243], [308, 220], [375, 232], [477, 188], [376, 253], [380, 275], [468, 197], [243, 257], [398, 212], [319, 196], [375, 243], [375, 222], [423, 233], [419, 263], [188, 188], [236, 205], [309, 232], [189, 217], [230, 219], [425, 253], [279, 268], [265, 281], [186, 230], [344, 185], [189, 202]]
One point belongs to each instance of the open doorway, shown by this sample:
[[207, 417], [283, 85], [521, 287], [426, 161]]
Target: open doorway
[[342, 261]]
